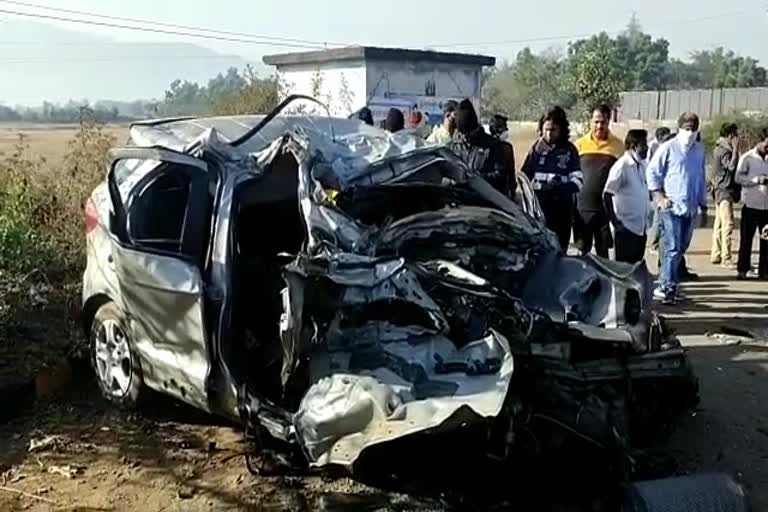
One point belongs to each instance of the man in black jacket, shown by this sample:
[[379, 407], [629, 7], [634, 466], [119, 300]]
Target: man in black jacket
[[727, 192], [493, 159]]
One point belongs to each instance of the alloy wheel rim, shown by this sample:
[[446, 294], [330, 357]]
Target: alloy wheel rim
[[113, 358]]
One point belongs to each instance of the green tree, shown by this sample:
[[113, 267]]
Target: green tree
[[643, 60], [255, 96], [527, 86], [723, 68], [185, 98], [225, 84], [594, 74], [682, 75], [9, 114]]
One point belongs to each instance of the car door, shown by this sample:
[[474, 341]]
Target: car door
[[159, 223]]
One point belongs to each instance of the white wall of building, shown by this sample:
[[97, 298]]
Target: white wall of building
[[340, 86], [348, 86], [425, 84]]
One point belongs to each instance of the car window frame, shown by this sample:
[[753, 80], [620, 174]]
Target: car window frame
[[193, 249]]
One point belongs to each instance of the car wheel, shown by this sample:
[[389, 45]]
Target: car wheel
[[114, 359]]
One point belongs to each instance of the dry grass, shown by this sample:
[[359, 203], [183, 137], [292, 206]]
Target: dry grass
[[45, 177], [46, 174], [47, 141]]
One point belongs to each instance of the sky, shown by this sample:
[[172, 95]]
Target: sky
[[687, 24], [494, 27]]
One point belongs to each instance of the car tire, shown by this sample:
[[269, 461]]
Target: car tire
[[114, 358]]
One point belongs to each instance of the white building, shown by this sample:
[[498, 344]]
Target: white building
[[347, 79]]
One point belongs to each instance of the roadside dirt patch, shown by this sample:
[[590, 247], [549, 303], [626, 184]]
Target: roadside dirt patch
[[38, 332], [174, 459], [124, 461]]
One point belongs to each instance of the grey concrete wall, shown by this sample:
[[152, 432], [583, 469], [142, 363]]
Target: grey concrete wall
[[708, 103]]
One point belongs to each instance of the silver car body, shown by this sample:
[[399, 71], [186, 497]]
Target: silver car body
[[181, 294]]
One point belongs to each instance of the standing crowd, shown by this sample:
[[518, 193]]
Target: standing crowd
[[609, 193]]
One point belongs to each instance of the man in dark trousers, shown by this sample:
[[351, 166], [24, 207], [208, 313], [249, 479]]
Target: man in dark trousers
[[626, 199], [752, 175], [493, 159], [598, 151]]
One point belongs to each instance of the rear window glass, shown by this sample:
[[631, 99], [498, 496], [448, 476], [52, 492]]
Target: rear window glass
[[157, 216]]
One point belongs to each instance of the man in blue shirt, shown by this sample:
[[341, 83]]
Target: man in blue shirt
[[677, 179]]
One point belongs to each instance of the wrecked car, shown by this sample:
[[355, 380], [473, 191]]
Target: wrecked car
[[337, 288]]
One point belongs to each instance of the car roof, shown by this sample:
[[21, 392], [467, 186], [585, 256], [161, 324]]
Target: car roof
[[179, 133]]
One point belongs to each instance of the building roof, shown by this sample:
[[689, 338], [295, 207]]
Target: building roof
[[375, 53]]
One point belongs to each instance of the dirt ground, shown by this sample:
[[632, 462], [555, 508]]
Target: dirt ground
[[729, 430]]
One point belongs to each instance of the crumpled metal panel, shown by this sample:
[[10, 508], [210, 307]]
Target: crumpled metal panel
[[375, 380], [179, 134], [368, 362], [367, 396], [593, 296]]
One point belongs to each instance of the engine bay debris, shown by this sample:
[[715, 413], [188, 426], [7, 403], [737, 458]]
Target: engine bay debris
[[423, 302]]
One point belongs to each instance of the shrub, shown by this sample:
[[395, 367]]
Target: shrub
[[21, 246], [61, 216], [41, 213]]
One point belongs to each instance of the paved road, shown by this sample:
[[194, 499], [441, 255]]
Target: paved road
[[729, 431]]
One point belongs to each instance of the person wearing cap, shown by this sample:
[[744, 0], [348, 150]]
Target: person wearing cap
[[443, 134], [493, 159]]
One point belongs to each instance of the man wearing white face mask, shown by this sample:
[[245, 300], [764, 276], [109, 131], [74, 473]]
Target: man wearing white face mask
[[677, 179], [626, 199]]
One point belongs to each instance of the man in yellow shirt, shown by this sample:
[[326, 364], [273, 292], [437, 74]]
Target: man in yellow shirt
[[598, 151]]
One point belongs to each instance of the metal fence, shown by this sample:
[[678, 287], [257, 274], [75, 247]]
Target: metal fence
[[708, 103]]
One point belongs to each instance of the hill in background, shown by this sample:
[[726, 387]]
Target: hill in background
[[46, 62]]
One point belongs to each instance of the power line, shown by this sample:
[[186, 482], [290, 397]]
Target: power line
[[240, 37], [156, 30], [87, 44], [119, 59], [582, 35], [173, 25]]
